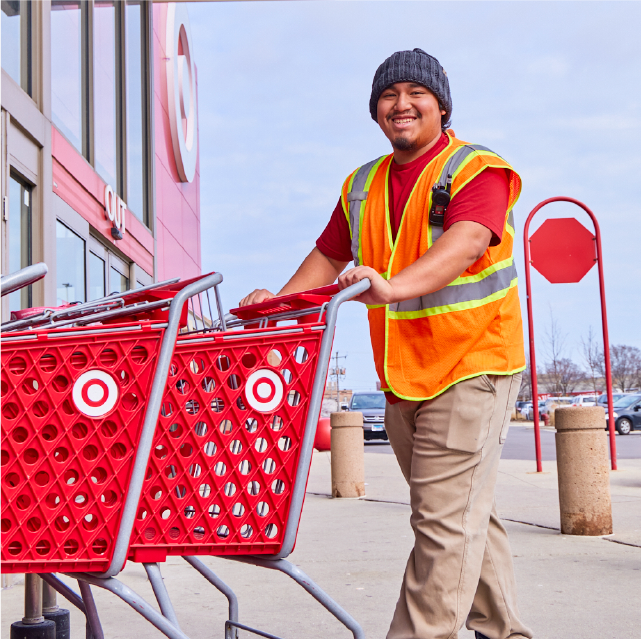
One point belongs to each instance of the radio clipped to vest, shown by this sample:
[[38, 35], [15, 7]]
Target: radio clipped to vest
[[440, 201]]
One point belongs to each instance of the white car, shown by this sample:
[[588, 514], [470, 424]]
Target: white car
[[584, 401]]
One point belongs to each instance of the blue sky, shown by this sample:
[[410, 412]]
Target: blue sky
[[554, 87]]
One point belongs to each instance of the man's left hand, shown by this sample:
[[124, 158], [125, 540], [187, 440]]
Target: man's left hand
[[380, 292]]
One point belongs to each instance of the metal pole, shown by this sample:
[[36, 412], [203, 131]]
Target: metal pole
[[530, 325], [604, 323], [32, 600], [49, 599], [606, 344]]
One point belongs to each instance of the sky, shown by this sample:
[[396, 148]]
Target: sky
[[553, 87]]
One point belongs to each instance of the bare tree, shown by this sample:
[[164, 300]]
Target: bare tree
[[626, 366], [592, 356], [555, 345], [569, 376]]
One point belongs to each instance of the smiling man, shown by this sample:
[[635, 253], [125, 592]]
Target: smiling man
[[431, 226]]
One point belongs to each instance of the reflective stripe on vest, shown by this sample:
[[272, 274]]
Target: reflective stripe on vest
[[356, 197], [463, 293]]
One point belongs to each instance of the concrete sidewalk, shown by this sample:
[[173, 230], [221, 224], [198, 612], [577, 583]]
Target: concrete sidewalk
[[570, 587]]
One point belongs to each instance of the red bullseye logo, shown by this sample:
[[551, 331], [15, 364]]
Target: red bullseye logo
[[264, 390], [95, 393]]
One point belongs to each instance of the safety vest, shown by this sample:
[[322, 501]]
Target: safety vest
[[470, 327]]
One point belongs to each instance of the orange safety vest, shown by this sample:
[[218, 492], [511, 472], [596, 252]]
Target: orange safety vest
[[470, 327]]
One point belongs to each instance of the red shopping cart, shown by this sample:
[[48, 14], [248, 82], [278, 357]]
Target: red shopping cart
[[233, 448]]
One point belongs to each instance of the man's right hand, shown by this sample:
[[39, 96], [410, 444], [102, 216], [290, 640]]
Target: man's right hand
[[257, 296]]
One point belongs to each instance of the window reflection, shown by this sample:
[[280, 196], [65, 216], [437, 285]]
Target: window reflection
[[11, 38], [96, 277], [70, 266], [104, 89], [19, 239], [135, 122], [117, 281], [66, 69]]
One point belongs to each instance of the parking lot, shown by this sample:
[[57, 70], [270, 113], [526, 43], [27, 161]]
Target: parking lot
[[520, 444]]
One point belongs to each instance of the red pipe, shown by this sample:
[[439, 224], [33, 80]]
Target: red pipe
[[604, 322]]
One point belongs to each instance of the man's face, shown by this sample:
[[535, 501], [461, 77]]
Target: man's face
[[409, 115]]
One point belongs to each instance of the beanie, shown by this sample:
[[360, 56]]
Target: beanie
[[413, 66]]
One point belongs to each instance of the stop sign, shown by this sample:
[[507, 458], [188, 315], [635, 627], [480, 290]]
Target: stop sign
[[562, 250]]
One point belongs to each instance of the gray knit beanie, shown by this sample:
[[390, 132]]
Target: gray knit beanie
[[413, 66]]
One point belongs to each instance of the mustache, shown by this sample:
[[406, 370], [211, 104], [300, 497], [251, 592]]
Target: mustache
[[411, 112]]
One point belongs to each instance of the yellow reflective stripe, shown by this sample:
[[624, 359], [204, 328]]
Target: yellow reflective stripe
[[345, 206], [460, 380], [361, 211], [510, 230], [464, 280], [501, 164], [455, 307], [388, 225]]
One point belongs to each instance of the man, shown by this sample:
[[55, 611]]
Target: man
[[431, 227]]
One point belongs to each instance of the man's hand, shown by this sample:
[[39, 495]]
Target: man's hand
[[381, 291], [257, 296], [316, 270]]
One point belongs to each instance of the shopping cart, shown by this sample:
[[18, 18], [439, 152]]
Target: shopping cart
[[79, 411], [231, 454]]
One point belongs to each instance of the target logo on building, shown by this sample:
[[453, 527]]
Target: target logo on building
[[95, 393], [264, 390]]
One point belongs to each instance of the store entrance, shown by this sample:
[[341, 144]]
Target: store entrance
[[87, 270]]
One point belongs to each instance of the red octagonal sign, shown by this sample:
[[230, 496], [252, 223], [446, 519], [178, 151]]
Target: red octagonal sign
[[563, 250]]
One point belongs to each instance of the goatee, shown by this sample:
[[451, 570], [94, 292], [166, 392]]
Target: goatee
[[403, 144]]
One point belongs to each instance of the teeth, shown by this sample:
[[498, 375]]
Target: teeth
[[403, 120]]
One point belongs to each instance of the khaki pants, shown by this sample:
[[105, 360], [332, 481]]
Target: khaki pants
[[460, 569]]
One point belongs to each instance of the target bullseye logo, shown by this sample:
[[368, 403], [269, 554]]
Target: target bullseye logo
[[95, 393], [264, 390]]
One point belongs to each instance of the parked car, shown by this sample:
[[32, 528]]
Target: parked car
[[520, 407], [530, 412], [603, 399], [556, 400], [372, 404], [627, 413], [587, 400]]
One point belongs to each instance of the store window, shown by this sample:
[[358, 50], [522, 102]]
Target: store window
[[100, 90], [135, 37], [104, 90], [67, 18], [97, 275], [16, 41], [19, 239], [70, 266], [118, 275]]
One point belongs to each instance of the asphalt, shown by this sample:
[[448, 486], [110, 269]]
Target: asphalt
[[520, 444], [356, 550]]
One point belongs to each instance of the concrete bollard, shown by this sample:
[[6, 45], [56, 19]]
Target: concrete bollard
[[348, 458], [584, 475]]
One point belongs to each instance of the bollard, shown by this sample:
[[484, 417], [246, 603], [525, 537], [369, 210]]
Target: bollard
[[348, 457], [33, 624], [584, 475], [51, 611]]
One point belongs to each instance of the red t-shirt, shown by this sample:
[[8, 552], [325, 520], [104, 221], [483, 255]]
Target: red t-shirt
[[483, 200]]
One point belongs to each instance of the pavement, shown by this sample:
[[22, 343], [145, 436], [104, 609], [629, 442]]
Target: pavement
[[356, 550]]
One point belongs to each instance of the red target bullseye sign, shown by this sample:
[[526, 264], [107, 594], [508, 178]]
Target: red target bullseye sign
[[264, 390], [95, 393]]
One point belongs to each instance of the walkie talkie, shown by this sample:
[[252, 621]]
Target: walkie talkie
[[440, 201]]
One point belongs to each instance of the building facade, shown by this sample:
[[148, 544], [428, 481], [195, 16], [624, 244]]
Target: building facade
[[100, 171]]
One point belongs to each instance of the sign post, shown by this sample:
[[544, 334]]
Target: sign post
[[564, 251]]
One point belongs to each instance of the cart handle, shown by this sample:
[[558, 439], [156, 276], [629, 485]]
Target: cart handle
[[307, 446], [151, 419], [22, 278]]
